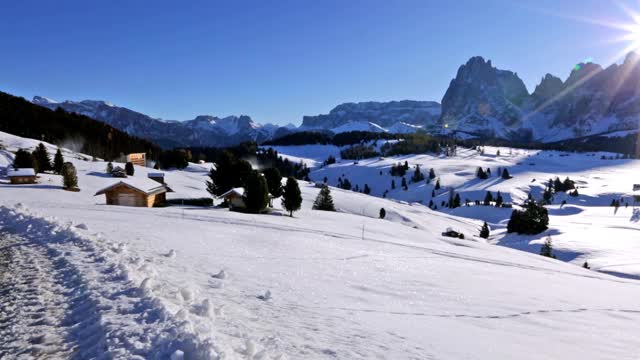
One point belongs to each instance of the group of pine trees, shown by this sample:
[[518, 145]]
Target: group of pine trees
[[259, 188], [40, 161], [533, 219]]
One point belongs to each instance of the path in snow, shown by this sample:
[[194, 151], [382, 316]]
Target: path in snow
[[62, 296]]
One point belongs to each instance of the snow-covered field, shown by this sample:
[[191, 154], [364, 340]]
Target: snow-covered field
[[586, 229], [81, 279]]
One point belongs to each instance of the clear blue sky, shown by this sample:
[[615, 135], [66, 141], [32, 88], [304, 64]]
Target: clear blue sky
[[279, 60]]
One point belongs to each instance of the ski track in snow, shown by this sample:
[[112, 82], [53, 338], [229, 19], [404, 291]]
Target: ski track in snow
[[62, 297]]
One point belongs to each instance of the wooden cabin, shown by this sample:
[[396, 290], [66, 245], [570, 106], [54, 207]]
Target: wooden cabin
[[139, 159], [135, 192], [234, 198], [22, 176]]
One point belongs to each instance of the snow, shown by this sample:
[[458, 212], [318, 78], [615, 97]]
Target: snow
[[144, 185], [21, 172], [237, 191], [206, 283]]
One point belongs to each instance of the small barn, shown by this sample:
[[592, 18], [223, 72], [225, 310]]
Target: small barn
[[234, 198], [22, 176], [135, 192]]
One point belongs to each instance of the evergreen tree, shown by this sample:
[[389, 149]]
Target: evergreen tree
[[499, 199], [129, 169], [547, 195], [534, 219], [488, 198], [484, 232], [274, 181], [547, 248], [586, 265], [437, 187], [417, 175], [432, 174], [69, 176], [156, 166], [404, 184], [41, 156], [393, 184], [383, 213], [256, 193], [366, 190], [456, 201], [324, 201], [433, 193], [498, 153], [505, 174], [488, 172], [58, 161], [406, 165], [109, 168], [430, 203], [480, 174], [291, 196], [23, 159]]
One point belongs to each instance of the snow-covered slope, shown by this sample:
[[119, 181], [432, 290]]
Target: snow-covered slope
[[192, 281], [578, 229]]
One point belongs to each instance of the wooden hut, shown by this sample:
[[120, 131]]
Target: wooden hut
[[135, 192], [22, 176], [234, 198]]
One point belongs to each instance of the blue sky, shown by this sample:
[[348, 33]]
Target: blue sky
[[279, 60]]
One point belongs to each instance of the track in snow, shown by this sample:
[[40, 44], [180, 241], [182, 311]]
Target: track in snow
[[63, 296]]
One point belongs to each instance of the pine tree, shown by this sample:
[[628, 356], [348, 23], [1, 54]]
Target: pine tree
[[586, 265], [383, 213], [23, 159], [58, 161], [433, 193], [430, 203], [488, 198], [393, 184], [291, 196], [484, 232], [499, 199], [366, 189], [274, 181], [41, 156], [109, 168], [417, 175], [129, 169], [505, 174], [432, 174], [69, 176], [437, 187], [456, 201], [547, 248], [480, 174], [404, 184], [324, 201], [256, 193]]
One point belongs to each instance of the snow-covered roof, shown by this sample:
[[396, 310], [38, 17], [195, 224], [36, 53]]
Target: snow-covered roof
[[144, 185], [21, 172], [155, 174], [237, 191]]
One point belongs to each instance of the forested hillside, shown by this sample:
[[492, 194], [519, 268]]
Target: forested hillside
[[20, 117]]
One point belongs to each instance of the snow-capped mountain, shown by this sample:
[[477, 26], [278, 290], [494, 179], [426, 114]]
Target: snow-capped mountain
[[204, 130], [592, 100], [375, 116]]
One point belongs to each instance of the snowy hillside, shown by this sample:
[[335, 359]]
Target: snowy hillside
[[88, 280], [582, 230]]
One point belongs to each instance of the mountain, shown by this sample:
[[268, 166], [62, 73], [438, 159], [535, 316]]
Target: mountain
[[74, 131], [482, 99], [377, 116], [204, 130], [487, 101]]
